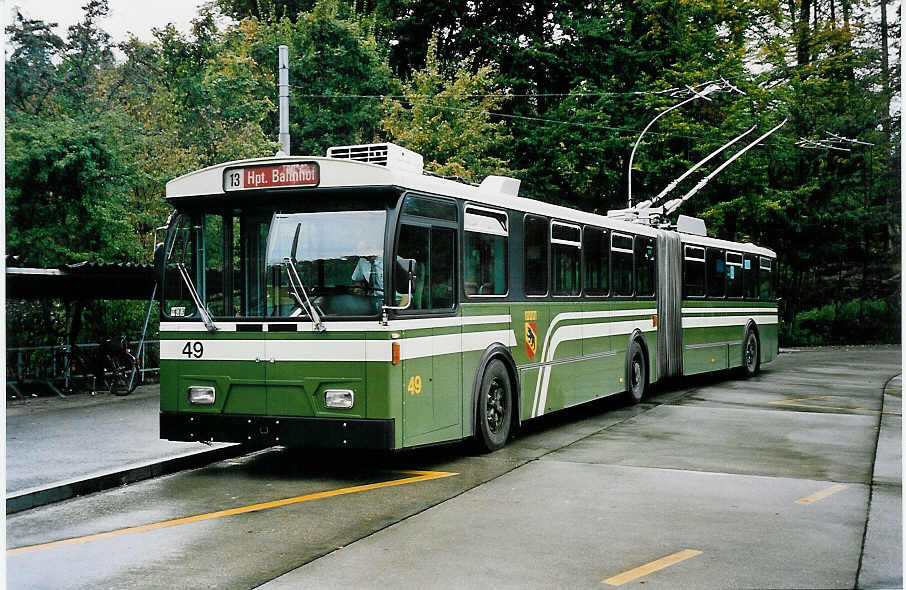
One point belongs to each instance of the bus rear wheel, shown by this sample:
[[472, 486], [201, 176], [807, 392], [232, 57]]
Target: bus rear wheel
[[495, 407], [751, 357], [636, 373]]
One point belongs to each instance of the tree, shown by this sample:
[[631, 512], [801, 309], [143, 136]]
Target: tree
[[336, 70], [447, 121], [66, 196]]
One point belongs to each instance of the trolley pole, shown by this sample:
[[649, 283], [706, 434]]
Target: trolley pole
[[283, 54], [695, 96]]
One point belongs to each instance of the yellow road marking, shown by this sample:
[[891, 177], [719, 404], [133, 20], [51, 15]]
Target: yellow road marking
[[801, 399], [822, 494], [417, 476], [792, 403], [649, 568]]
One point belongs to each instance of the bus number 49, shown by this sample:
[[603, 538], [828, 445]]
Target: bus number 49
[[193, 349]]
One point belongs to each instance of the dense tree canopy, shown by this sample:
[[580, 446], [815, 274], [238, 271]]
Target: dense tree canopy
[[554, 92]]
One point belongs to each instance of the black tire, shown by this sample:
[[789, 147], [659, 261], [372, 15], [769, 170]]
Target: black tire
[[494, 415], [636, 373], [751, 354], [119, 377]]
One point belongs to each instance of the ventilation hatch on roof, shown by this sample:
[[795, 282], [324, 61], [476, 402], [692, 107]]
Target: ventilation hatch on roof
[[382, 154]]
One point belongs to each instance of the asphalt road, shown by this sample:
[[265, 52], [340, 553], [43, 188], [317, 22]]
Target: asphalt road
[[789, 480]]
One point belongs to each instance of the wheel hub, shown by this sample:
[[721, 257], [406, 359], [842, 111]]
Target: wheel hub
[[495, 407]]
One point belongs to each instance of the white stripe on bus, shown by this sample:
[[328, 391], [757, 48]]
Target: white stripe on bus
[[356, 326], [699, 310], [726, 320], [579, 332], [337, 350], [546, 354]]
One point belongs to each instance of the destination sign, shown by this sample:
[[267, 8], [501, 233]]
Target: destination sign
[[275, 176]]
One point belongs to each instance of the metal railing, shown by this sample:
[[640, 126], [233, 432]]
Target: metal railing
[[65, 367]]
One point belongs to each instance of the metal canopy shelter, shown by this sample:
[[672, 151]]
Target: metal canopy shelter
[[78, 283], [85, 280]]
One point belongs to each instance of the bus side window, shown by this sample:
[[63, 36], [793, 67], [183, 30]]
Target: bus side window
[[485, 252], [433, 251], [535, 252], [716, 272], [443, 257], [596, 252], [734, 274], [750, 276], [693, 272], [766, 285], [621, 255], [566, 247], [645, 267]]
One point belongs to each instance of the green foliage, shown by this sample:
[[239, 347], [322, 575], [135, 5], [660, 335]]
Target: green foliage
[[554, 92], [66, 196], [451, 130], [856, 321], [330, 55]]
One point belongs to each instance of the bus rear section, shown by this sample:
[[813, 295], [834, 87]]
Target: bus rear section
[[723, 314]]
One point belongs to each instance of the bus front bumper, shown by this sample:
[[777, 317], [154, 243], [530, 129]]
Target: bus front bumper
[[341, 433]]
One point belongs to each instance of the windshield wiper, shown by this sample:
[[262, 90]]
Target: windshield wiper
[[202, 311], [295, 282]]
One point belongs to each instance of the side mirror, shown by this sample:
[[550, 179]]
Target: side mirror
[[402, 275], [159, 262]]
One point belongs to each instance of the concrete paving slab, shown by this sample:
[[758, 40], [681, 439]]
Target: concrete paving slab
[[64, 443], [528, 515], [240, 551], [882, 553], [552, 524], [889, 458], [57, 448], [882, 557], [831, 447]]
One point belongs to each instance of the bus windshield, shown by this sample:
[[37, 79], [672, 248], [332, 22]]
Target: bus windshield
[[338, 257], [256, 263]]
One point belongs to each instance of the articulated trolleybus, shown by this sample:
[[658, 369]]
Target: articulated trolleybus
[[354, 301]]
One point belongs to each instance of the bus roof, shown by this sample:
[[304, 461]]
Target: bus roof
[[343, 173]]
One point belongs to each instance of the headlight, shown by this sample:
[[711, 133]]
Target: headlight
[[201, 395], [338, 398]]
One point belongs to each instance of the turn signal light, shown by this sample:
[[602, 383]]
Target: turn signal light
[[396, 353], [654, 320]]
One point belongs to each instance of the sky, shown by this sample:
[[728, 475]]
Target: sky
[[126, 16]]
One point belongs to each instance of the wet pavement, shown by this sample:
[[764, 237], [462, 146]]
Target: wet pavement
[[788, 480], [55, 441]]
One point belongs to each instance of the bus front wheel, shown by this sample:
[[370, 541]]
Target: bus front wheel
[[495, 407]]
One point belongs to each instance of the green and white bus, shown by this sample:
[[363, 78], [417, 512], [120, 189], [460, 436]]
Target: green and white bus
[[355, 301]]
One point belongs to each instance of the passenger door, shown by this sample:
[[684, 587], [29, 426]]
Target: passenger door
[[430, 349]]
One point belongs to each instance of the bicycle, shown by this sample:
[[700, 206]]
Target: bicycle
[[122, 365]]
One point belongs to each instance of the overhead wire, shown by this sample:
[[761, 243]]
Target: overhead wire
[[407, 98]]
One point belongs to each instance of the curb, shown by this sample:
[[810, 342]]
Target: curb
[[41, 496]]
